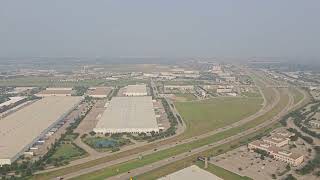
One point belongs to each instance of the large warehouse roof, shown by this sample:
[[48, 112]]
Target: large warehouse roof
[[139, 89], [21, 128], [128, 114], [12, 100]]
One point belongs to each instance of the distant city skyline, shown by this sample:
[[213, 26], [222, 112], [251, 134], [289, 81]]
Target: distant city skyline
[[142, 28]]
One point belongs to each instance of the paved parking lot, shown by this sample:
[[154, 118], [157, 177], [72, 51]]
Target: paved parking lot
[[246, 163]]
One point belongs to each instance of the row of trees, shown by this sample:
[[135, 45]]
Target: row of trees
[[308, 139], [312, 164], [80, 90]]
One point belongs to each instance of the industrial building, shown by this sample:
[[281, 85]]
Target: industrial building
[[55, 92], [128, 114], [191, 173], [136, 90], [12, 102], [20, 130]]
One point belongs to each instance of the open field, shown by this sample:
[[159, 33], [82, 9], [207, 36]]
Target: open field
[[220, 172], [178, 149], [67, 152], [251, 94], [297, 95], [185, 97], [208, 115]]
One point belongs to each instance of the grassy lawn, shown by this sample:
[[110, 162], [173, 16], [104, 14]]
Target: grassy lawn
[[70, 137], [67, 151], [251, 94], [208, 115], [297, 95], [185, 97], [222, 173]]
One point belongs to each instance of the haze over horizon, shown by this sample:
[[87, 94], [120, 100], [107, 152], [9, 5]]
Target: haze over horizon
[[142, 28]]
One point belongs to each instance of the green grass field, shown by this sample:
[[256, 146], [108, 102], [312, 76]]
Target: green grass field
[[251, 94], [208, 115], [297, 95], [222, 173], [67, 151], [185, 97]]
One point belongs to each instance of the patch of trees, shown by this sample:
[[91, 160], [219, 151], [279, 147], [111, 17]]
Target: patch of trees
[[80, 90], [290, 177], [308, 139], [312, 164], [179, 119], [151, 90], [300, 116], [4, 98], [114, 92]]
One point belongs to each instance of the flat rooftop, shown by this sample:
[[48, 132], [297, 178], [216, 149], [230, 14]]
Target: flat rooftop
[[55, 92], [138, 88], [12, 100], [21, 128], [191, 173], [128, 113]]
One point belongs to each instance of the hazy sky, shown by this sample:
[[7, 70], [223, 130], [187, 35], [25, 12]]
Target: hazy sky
[[160, 28]]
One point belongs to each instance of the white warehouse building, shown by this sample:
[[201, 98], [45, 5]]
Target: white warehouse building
[[136, 90], [128, 114], [20, 130]]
